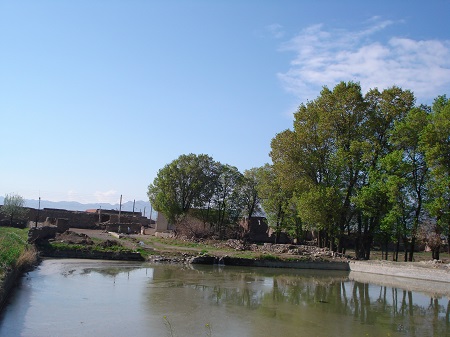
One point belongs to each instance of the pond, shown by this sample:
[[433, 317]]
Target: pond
[[105, 298]]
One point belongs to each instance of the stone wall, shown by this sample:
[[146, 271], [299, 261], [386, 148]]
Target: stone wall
[[80, 219], [74, 218]]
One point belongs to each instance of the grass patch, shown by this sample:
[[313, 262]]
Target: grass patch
[[13, 242], [145, 253], [15, 252], [246, 255], [269, 257], [177, 243], [159, 243]]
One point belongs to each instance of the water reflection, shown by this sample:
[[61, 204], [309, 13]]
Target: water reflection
[[117, 299], [302, 298]]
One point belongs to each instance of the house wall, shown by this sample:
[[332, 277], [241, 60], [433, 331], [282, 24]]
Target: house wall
[[257, 230], [162, 224]]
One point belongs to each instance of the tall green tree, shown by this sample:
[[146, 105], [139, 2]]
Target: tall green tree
[[322, 157], [227, 202], [13, 207], [384, 109], [372, 202], [183, 184], [274, 199], [436, 144], [411, 171], [249, 193], [324, 162]]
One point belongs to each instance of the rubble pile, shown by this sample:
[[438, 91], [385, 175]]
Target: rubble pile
[[73, 238]]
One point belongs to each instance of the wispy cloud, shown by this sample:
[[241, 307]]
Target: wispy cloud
[[275, 30], [325, 57]]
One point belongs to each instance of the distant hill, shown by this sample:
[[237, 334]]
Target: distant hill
[[139, 206]]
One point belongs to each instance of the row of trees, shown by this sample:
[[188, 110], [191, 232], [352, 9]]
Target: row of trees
[[359, 167], [371, 167]]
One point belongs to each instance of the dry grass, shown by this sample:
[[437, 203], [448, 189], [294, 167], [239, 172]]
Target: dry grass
[[27, 258]]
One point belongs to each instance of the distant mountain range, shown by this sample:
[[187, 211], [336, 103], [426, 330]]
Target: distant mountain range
[[140, 206]]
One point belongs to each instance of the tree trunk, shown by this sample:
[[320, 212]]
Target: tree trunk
[[405, 248], [411, 248], [386, 247], [397, 249], [368, 245], [358, 243], [435, 253]]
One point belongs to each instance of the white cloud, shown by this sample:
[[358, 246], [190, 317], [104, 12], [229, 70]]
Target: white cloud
[[110, 196], [327, 57]]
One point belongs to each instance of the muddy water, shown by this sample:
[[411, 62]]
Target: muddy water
[[98, 298]]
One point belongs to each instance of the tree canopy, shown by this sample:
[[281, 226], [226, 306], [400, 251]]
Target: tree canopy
[[217, 193], [186, 182], [13, 207]]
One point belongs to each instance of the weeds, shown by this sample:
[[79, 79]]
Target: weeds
[[171, 332], [208, 330], [12, 245], [15, 252], [168, 326]]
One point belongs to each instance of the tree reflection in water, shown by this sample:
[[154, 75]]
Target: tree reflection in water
[[132, 299], [293, 296], [327, 293]]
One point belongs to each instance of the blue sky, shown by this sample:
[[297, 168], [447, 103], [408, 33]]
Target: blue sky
[[97, 95]]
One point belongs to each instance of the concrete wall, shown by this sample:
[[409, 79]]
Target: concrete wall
[[414, 270]]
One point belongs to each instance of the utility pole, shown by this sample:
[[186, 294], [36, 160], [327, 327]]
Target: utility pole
[[134, 201], [120, 207], [39, 210]]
